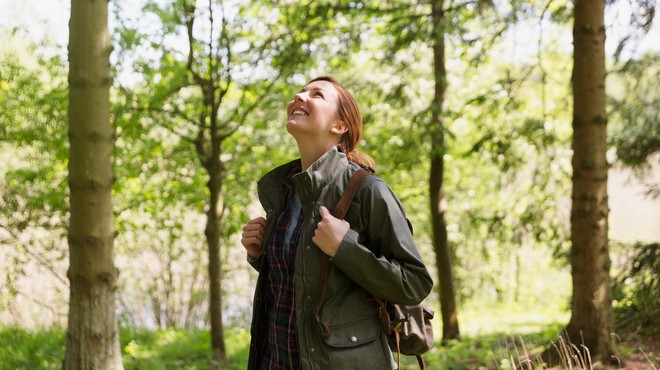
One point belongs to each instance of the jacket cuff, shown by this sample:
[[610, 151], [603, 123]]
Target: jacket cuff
[[349, 241], [255, 262]]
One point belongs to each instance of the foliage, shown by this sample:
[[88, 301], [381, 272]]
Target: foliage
[[33, 187], [159, 157], [506, 166], [33, 103], [158, 199], [189, 349], [141, 349], [25, 350], [496, 350], [635, 111], [507, 160], [503, 347], [636, 288]]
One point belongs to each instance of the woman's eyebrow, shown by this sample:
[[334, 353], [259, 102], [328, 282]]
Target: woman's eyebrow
[[304, 89]]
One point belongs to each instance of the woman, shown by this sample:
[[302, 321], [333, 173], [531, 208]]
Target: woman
[[372, 253]]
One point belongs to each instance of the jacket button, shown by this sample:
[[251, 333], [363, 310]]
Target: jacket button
[[312, 349], [354, 339]]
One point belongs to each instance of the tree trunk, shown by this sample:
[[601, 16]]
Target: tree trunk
[[213, 234], [438, 201], [92, 336], [591, 307], [209, 148]]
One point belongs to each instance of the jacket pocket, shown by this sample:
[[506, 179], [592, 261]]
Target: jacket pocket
[[353, 334], [358, 346]]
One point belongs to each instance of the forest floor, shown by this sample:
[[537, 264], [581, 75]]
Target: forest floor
[[506, 338], [637, 352], [645, 352], [189, 350]]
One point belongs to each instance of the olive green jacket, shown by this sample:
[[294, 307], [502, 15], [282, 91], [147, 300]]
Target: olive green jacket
[[377, 256]]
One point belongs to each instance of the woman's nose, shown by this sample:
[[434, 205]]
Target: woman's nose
[[301, 96]]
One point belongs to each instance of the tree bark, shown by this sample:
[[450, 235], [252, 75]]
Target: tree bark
[[213, 236], [208, 146], [92, 335], [591, 308], [438, 202]]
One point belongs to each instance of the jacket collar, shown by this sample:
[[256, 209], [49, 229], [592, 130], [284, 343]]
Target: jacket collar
[[319, 174], [308, 183]]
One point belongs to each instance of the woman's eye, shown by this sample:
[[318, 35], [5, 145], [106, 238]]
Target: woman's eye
[[318, 94]]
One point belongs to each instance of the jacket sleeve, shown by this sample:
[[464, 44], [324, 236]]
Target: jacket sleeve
[[390, 267], [255, 262]]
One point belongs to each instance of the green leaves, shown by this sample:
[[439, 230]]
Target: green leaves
[[635, 114], [507, 122]]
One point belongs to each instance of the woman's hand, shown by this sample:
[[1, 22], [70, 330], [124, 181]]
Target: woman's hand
[[329, 232], [253, 237]]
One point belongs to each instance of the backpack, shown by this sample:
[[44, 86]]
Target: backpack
[[408, 328]]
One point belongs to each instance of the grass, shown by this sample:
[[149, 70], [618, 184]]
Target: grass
[[190, 350], [496, 340], [493, 341], [21, 349]]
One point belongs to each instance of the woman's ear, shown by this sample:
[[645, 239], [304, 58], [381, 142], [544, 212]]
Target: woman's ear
[[339, 128]]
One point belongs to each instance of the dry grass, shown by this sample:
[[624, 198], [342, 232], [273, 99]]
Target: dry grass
[[638, 354]]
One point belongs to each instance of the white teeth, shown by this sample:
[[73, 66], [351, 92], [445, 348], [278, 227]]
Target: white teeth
[[299, 112]]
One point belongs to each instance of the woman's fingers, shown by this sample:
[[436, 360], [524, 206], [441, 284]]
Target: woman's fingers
[[252, 238], [329, 232]]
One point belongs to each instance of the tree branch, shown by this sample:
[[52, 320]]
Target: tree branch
[[40, 261]]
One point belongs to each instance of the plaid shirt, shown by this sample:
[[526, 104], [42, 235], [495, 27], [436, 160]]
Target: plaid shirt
[[282, 339]]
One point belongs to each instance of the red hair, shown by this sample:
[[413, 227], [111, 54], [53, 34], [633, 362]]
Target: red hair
[[349, 113]]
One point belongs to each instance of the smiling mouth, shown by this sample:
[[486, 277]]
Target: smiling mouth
[[299, 112]]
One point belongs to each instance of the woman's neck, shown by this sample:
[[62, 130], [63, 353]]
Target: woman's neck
[[311, 153]]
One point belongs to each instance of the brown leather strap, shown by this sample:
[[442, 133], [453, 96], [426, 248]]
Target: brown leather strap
[[339, 212], [420, 361], [397, 336], [352, 187]]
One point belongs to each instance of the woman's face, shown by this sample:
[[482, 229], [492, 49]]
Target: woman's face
[[313, 112]]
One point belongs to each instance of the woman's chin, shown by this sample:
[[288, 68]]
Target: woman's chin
[[292, 126]]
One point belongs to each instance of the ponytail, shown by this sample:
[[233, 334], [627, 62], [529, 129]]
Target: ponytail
[[360, 158]]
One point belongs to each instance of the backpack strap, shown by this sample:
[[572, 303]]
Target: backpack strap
[[347, 197], [339, 212]]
